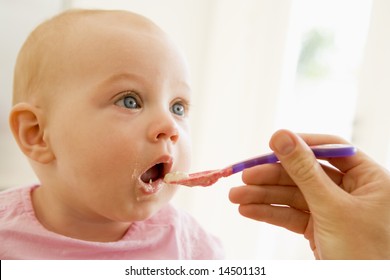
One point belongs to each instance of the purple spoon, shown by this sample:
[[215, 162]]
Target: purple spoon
[[207, 178]]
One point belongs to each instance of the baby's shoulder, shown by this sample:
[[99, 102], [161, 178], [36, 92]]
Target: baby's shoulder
[[171, 214], [180, 219], [12, 200], [196, 242]]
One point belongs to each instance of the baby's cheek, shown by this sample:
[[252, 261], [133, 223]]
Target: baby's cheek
[[185, 154], [169, 191]]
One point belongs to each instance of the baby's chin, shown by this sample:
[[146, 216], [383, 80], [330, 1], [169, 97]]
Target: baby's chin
[[148, 202], [144, 214]]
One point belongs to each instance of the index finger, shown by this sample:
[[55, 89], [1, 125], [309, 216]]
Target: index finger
[[275, 174]]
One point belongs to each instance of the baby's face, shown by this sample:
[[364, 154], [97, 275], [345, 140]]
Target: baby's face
[[118, 122]]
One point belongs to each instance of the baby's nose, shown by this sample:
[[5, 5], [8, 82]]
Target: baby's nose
[[164, 127]]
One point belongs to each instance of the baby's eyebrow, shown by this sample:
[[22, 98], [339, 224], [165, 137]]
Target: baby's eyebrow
[[123, 76], [181, 87], [184, 86], [139, 78]]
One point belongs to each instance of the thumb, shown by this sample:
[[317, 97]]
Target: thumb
[[300, 163]]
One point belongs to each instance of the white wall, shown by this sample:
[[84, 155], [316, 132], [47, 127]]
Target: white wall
[[17, 20]]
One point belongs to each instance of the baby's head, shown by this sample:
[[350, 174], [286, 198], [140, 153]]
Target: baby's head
[[100, 109]]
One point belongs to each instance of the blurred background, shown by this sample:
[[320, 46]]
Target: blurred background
[[257, 65]]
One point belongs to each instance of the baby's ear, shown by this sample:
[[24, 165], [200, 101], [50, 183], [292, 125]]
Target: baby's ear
[[28, 130]]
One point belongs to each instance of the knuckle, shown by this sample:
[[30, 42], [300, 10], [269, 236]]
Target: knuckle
[[303, 168]]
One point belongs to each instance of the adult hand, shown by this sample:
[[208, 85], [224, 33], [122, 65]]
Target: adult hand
[[344, 211]]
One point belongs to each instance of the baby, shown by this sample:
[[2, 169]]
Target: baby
[[100, 108]]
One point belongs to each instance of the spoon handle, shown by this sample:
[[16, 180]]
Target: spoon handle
[[320, 151]]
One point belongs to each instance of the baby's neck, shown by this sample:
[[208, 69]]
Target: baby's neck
[[55, 220]]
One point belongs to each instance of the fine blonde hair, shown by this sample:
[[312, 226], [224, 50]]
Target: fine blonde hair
[[40, 61]]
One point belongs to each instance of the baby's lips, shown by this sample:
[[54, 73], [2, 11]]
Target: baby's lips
[[151, 188]]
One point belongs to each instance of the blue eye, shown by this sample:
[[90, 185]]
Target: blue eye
[[129, 102], [178, 109]]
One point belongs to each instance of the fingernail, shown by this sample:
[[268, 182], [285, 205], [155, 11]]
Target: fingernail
[[283, 143]]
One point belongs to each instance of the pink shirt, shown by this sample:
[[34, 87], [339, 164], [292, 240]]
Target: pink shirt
[[170, 234]]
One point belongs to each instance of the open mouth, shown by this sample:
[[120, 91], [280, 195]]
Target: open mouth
[[154, 173]]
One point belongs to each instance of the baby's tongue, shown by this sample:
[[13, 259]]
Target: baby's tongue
[[150, 174]]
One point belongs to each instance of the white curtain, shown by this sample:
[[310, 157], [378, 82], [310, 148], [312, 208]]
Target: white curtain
[[234, 117], [372, 127]]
